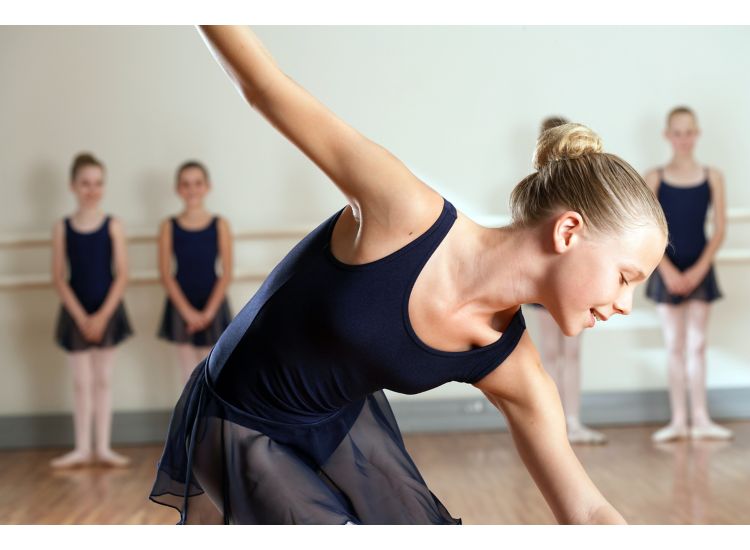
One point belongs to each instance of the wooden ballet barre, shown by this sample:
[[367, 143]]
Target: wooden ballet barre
[[141, 278], [734, 215], [138, 278], [143, 237]]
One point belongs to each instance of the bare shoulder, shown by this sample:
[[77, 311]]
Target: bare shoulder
[[222, 224], [58, 229], [116, 226], [165, 226], [652, 178], [363, 235], [516, 375], [715, 176]]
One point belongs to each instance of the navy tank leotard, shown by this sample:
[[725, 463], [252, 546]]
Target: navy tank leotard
[[286, 420], [89, 257], [685, 209], [195, 251]]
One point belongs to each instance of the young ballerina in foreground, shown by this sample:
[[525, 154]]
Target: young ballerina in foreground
[[286, 420]]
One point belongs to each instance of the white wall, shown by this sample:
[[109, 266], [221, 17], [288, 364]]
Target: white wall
[[459, 105]]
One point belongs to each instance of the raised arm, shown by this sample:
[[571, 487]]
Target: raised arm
[[522, 390], [377, 185]]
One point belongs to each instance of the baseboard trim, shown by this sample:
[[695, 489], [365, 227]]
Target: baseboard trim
[[427, 415]]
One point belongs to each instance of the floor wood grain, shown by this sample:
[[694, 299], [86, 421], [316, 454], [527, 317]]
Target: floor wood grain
[[478, 476]]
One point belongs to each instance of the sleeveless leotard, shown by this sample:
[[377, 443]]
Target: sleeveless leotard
[[301, 369]]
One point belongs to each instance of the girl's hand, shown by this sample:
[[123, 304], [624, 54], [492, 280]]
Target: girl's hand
[[674, 281], [692, 277], [84, 325], [207, 316], [193, 320], [93, 327]]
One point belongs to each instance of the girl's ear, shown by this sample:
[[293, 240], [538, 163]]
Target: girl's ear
[[567, 231]]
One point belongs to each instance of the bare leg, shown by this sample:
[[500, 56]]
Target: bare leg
[[697, 322], [80, 364], [571, 393], [186, 355], [103, 362], [673, 318]]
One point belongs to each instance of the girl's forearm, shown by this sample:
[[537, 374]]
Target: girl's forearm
[[175, 293], [243, 57], [114, 295], [709, 251], [70, 301], [605, 515], [217, 294]]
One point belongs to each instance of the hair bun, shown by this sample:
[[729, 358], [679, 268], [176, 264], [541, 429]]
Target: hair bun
[[565, 142]]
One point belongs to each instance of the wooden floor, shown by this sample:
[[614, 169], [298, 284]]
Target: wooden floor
[[478, 476]]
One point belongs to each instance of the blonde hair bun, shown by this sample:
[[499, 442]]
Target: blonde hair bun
[[565, 142]]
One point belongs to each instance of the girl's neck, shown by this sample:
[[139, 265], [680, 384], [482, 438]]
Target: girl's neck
[[490, 280], [682, 162], [194, 212], [88, 213]]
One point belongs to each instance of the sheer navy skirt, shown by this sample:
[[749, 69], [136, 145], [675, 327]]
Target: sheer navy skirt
[[219, 466], [174, 328], [707, 290], [69, 337]]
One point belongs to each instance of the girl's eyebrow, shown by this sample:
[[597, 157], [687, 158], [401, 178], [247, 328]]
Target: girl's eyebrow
[[639, 274]]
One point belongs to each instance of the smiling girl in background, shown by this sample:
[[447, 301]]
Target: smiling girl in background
[[684, 285], [92, 318], [196, 310]]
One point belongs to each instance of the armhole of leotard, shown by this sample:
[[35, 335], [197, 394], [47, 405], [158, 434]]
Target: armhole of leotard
[[660, 173]]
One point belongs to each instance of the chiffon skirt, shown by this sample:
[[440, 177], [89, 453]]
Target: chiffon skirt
[[174, 329], [69, 337], [707, 290], [219, 465]]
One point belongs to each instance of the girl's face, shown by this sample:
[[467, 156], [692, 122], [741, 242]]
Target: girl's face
[[597, 275], [682, 132], [88, 186], [192, 186]]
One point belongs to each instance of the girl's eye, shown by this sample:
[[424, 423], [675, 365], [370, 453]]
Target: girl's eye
[[623, 281]]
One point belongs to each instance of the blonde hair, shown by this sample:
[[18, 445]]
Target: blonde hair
[[573, 173], [681, 110], [551, 122]]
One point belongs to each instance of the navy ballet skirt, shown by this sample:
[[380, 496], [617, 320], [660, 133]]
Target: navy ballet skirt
[[90, 264], [196, 252], [285, 420], [685, 209]]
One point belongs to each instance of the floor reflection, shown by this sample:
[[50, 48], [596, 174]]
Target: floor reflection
[[691, 478]]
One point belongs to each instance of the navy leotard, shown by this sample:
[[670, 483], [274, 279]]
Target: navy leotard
[[89, 256], [685, 209], [286, 421], [195, 251]]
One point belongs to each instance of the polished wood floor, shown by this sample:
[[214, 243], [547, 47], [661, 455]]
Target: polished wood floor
[[478, 476]]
